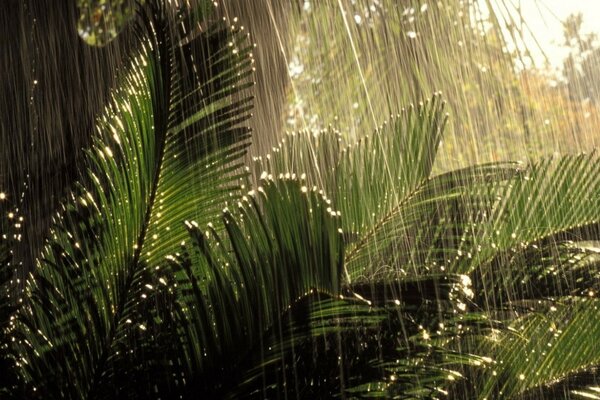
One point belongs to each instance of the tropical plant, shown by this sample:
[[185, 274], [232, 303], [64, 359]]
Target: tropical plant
[[347, 270], [523, 235]]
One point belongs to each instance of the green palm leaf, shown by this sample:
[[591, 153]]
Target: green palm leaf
[[538, 272], [168, 148], [529, 273], [372, 175], [504, 223], [384, 188], [552, 198], [450, 203], [282, 245], [546, 293], [544, 348], [264, 313]]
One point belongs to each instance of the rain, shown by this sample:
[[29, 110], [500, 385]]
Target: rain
[[299, 199]]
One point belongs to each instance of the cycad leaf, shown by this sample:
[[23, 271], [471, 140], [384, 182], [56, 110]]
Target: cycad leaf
[[370, 179], [326, 346], [282, 245], [484, 213], [537, 274], [549, 198], [449, 204], [382, 170], [546, 293], [372, 175], [544, 348], [167, 149], [313, 155]]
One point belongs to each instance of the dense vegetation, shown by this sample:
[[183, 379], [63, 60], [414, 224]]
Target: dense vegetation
[[332, 266]]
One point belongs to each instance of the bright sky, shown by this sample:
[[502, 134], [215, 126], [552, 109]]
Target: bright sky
[[544, 18]]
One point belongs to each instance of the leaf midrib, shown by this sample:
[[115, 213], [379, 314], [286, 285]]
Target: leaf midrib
[[161, 127]]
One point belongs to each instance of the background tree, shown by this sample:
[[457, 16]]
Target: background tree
[[580, 68]]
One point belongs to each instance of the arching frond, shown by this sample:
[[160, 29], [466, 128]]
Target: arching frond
[[282, 245], [384, 188], [544, 348], [263, 311], [168, 148], [552, 198], [508, 225]]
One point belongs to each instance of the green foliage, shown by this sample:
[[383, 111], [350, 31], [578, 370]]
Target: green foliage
[[384, 187], [169, 134], [507, 225], [349, 270], [240, 291], [239, 288]]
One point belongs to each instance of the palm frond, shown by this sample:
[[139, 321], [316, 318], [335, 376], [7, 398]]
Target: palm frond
[[484, 212], [328, 347], [384, 189], [451, 203], [535, 275], [264, 310], [544, 348], [420, 345], [282, 245], [379, 170], [546, 294], [167, 148], [506, 224], [550, 198], [371, 178]]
